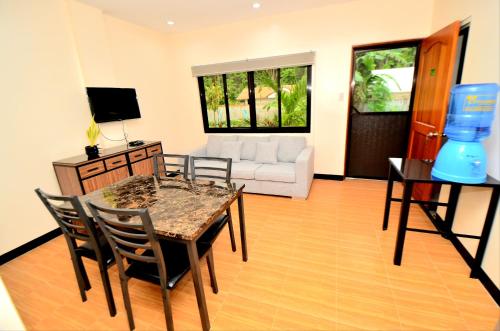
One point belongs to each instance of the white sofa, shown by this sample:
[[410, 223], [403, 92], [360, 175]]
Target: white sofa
[[291, 175]]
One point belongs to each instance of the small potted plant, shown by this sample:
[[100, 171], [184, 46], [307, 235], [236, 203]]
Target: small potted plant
[[92, 134]]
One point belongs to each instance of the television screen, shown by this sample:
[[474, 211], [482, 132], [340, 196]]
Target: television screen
[[113, 104]]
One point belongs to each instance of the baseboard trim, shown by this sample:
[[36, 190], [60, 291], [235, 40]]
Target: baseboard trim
[[10, 255], [330, 177], [482, 276]]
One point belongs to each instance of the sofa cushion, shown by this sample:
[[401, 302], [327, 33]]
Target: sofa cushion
[[267, 152], [214, 144], [279, 172], [249, 147], [289, 147], [244, 169], [231, 150]]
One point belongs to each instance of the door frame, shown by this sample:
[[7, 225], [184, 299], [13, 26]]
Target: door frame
[[464, 31], [379, 46]]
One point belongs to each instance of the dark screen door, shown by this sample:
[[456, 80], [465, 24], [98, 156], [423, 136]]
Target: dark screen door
[[382, 89]]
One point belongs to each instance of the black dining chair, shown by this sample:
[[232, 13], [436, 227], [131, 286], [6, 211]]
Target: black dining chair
[[218, 169], [163, 168], [131, 235], [77, 227]]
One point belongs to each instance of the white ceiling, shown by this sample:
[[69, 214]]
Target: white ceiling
[[193, 14]]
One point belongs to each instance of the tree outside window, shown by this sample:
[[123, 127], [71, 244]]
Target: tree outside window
[[383, 79]]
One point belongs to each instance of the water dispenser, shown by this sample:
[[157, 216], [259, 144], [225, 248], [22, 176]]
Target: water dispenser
[[462, 158]]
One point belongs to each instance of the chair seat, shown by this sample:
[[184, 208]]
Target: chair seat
[[213, 231], [87, 251], [176, 261]]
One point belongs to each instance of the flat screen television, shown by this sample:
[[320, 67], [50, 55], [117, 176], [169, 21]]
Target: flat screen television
[[109, 104]]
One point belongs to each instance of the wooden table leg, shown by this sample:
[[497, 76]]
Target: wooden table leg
[[388, 197], [403, 222], [198, 284], [241, 214]]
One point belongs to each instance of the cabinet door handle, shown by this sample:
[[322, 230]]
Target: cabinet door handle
[[138, 155], [116, 162], [92, 169]]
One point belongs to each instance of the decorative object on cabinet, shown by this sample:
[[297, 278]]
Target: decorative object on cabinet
[[93, 133]]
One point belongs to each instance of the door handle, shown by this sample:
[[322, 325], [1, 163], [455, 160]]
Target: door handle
[[434, 135]]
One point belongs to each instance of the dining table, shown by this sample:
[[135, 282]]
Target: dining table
[[181, 210]]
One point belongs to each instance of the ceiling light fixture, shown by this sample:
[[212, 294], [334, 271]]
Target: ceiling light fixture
[[170, 22], [256, 5]]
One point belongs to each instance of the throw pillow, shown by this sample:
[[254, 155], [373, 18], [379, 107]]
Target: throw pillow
[[267, 152], [249, 147], [289, 147], [214, 144], [231, 150]]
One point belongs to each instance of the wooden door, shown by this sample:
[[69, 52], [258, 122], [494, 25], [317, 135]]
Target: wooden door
[[434, 80]]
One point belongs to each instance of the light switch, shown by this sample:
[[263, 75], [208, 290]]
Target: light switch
[[341, 97]]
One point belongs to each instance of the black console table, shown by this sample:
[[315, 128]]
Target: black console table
[[410, 171]]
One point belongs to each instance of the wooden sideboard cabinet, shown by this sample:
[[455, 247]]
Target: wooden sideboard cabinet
[[78, 175]]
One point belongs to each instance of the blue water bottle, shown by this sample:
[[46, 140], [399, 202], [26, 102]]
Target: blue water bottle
[[462, 158]]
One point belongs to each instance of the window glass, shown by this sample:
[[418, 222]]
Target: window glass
[[271, 100], [214, 98], [293, 83], [266, 97], [383, 79], [237, 94]]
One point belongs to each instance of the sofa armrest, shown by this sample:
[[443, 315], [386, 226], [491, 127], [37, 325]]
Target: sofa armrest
[[304, 172]]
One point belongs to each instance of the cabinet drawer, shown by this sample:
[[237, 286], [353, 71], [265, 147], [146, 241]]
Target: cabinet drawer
[[115, 162], [137, 155], [156, 149], [91, 169], [105, 179], [144, 167]]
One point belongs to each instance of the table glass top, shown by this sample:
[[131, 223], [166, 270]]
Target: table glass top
[[179, 208], [420, 171]]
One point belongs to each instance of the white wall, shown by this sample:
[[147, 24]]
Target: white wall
[[330, 31], [44, 112], [482, 65], [45, 64], [116, 53]]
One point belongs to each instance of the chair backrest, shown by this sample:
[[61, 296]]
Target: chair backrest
[[71, 218], [163, 168], [132, 240], [216, 168]]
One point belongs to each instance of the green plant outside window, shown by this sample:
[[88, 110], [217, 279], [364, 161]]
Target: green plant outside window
[[272, 100], [383, 79]]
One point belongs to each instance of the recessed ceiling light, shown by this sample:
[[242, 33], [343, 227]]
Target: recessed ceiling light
[[256, 5], [170, 22]]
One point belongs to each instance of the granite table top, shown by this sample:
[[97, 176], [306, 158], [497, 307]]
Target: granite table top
[[180, 209]]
